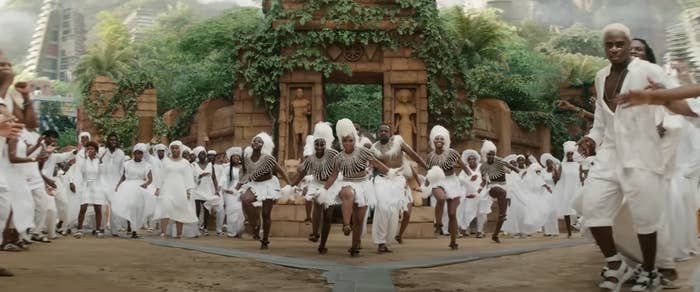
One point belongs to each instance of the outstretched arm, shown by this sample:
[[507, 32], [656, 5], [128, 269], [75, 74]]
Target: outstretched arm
[[411, 153]]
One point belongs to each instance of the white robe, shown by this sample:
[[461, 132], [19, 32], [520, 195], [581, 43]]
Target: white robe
[[172, 202], [130, 199]]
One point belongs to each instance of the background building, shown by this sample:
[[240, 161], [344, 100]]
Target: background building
[[58, 41]]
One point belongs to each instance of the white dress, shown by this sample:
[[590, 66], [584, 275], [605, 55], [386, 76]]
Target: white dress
[[112, 169], [92, 191], [515, 215], [551, 224], [130, 199], [234, 210], [21, 200], [204, 190], [567, 187], [172, 202], [470, 208]]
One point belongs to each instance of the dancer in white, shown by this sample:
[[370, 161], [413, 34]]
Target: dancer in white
[[493, 174], [131, 192], [174, 200], [628, 164], [475, 205], [391, 191], [354, 190], [207, 186], [319, 165], [91, 190], [218, 204], [235, 219], [112, 162], [568, 184], [445, 187], [259, 184], [551, 164]]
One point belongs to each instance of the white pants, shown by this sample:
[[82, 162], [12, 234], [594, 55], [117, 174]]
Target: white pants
[[385, 225], [643, 191], [4, 211], [42, 203], [220, 217]]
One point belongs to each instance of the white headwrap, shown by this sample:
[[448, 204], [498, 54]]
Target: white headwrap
[[309, 146], [442, 132], [84, 134], [160, 147], [345, 128], [323, 131], [234, 150], [487, 147], [197, 150], [211, 152], [184, 149], [177, 143], [570, 146], [470, 153], [140, 147], [267, 147], [547, 156]]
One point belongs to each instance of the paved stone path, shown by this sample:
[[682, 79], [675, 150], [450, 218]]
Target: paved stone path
[[371, 277]]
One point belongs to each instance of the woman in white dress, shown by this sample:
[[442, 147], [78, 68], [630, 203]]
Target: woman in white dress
[[173, 200], [446, 189], [353, 191], [517, 199], [568, 184], [207, 186], [235, 219], [474, 205], [551, 224], [259, 185], [92, 191], [131, 193]]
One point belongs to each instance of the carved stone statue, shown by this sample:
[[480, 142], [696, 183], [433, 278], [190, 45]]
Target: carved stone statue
[[301, 111], [405, 117]]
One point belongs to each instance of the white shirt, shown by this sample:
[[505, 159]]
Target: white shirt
[[629, 134]]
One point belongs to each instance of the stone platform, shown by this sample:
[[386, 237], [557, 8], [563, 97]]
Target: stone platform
[[288, 221]]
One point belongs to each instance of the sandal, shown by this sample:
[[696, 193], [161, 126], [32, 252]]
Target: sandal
[[620, 275], [399, 239], [322, 250], [314, 237], [134, 235], [264, 244], [5, 273], [479, 235], [495, 238], [383, 249], [454, 246], [11, 247], [354, 252], [438, 228], [347, 230]]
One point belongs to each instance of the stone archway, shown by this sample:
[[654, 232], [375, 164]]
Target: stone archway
[[301, 100]]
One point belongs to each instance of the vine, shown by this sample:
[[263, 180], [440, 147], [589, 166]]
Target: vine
[[101, 109], [259, 63]]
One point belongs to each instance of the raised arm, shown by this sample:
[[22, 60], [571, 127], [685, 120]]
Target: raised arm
[[411, 153]]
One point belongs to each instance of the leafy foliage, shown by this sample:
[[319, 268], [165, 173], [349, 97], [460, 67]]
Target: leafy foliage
[[360, 103], [577, 39]]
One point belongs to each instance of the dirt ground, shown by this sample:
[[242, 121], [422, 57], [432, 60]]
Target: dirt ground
[[111, 264], [119, 265], [564, 269]]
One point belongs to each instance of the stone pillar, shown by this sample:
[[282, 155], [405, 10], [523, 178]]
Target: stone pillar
[[103, 89], [146, 110]]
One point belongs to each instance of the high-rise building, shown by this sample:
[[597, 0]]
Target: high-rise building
[[58, 41], [138, 21]]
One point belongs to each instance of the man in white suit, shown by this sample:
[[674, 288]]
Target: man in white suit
[[628, 164]]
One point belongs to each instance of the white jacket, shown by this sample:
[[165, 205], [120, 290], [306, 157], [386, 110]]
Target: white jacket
[[629, 135]]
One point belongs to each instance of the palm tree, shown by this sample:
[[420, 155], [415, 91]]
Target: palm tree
[[478, 34]]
